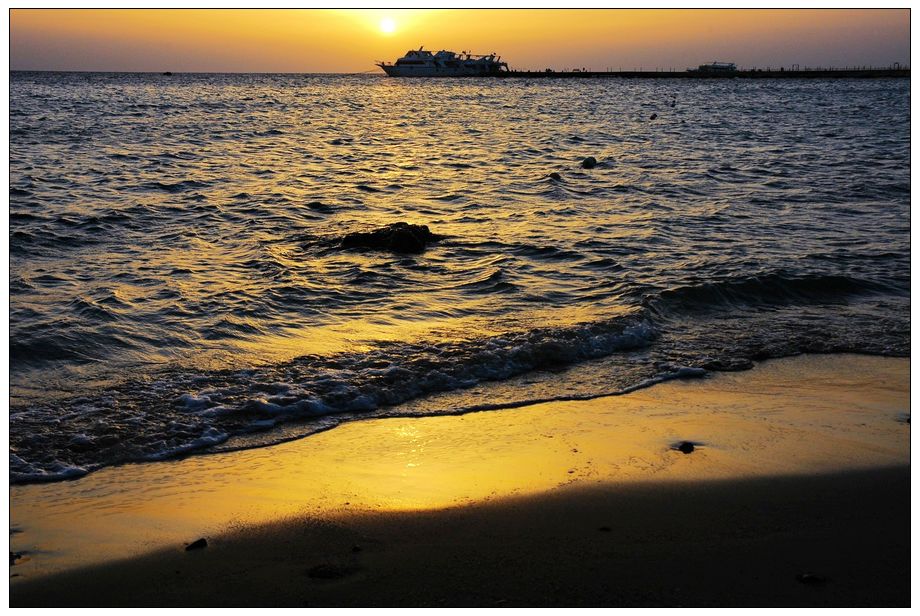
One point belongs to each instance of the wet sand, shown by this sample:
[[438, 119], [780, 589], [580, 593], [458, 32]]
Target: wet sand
[[801, 469], [740, 543]]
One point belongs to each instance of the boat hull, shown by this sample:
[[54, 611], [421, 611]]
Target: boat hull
[[438, 71]]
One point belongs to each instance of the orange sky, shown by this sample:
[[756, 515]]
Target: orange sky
[[344, 40]]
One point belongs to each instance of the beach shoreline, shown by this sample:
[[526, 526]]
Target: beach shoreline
[[796, 493]]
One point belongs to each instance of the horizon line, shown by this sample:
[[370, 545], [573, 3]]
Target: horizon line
[[891, 66]]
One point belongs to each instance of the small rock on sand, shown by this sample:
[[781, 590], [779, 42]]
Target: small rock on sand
[[197, 545], [811, 579]]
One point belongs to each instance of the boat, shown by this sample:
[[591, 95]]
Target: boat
[[423, 63], [715, 67]]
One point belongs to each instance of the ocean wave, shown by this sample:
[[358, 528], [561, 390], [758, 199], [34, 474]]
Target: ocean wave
[[183, 412], [682, 333], [762, 290]]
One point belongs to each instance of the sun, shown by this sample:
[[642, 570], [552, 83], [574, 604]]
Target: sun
[[388, 25]]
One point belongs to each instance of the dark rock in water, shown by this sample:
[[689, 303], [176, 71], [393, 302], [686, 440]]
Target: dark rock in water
[[398, 237], [329, 571], [555, 176], [319, 206], [589, 163], [197, 545], [685, 447], [654, 116], [168, 74], [811, 579]]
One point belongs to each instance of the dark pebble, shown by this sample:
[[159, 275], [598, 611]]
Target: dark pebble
[[197, 545], [811, 579]]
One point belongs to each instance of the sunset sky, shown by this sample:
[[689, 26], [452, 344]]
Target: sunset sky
[[345, 40]]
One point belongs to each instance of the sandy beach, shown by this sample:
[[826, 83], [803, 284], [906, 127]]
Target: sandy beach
[[797, 493]]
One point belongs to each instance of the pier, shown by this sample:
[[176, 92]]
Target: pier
[[768, 73]]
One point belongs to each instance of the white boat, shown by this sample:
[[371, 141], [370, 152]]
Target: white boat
[[422, 63]]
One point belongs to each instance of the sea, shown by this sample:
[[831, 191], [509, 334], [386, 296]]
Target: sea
[[178, 283]]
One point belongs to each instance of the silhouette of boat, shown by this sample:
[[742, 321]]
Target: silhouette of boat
[[422, 63]]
